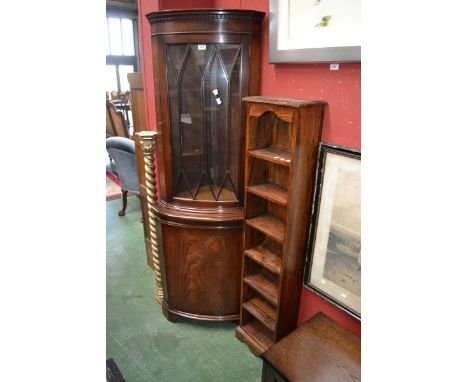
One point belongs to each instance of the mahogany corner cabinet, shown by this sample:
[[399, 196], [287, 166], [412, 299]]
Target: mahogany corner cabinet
[[204, 62]]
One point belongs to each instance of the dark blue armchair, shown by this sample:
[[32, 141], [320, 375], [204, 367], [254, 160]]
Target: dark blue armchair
[[122, 152]]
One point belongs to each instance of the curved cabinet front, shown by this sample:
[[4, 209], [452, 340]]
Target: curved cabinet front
[[201, 266]]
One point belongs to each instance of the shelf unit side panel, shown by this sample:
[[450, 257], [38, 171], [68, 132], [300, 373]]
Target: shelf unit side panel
[[305, 155], [282, 324]]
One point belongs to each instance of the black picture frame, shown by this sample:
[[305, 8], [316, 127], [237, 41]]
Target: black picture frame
[[326, 149]]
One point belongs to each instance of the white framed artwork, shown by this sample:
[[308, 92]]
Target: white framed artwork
[[315, 31]]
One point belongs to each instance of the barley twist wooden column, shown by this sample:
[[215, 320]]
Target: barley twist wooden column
[[148, 147]]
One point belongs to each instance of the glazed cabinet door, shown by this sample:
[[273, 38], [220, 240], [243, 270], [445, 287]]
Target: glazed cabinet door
[[203, 82]]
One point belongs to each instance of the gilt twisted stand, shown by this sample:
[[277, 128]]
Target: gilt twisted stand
[[148, 147]]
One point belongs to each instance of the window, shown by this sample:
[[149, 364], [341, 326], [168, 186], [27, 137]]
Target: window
[[122, 47]]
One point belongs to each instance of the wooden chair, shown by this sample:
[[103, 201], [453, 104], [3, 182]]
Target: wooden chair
[[116, 125], [114, 95]]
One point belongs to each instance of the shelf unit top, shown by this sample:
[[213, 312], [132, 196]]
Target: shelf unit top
[[283, 101]]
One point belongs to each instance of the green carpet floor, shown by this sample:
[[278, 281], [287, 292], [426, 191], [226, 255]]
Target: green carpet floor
[[147, 347]]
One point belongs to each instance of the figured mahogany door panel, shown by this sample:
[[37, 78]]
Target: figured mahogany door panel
[[203, 269]]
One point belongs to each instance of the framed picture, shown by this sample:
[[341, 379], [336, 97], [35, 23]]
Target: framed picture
[[333, 267], [315, 31]]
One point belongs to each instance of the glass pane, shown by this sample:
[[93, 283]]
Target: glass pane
[[127, 37], [111, 78], [115, 36], [234, 113], [215, 103], [123, 71], [179, 183], [176, 55], [204, 100], [229, 54], [222, 111], [191, 124]]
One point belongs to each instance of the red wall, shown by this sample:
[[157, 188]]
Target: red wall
[[341, 89], [176, 4]]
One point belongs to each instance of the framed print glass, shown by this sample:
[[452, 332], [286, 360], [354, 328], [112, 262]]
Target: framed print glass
[[315, 31], [333, 268]]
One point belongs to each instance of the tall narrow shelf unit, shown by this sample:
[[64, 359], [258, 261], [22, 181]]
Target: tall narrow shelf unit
[[282, 141]]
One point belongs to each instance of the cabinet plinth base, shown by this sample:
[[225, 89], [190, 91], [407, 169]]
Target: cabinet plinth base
[[255, 347], [173, 314], [168, 314]]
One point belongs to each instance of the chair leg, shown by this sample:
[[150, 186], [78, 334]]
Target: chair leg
[[124, 202], [141, 218]]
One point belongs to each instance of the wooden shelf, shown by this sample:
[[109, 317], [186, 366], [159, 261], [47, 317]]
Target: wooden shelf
[[204, 193], [270, 191], [260, 333], [264, 286], [262, 311], [268, 225], [266, 258], [272, 154], [256, 335]]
